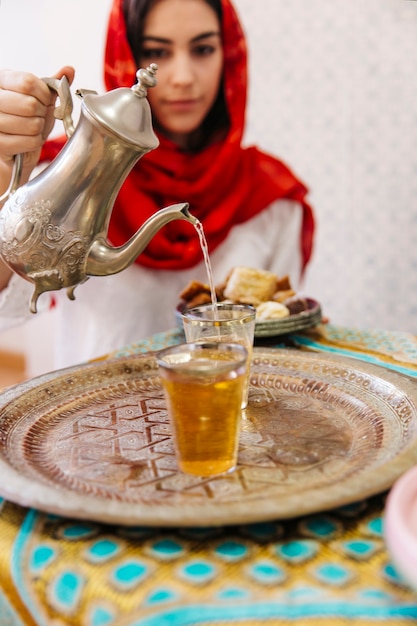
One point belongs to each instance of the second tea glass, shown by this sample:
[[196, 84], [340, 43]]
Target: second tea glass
[[226, 322]]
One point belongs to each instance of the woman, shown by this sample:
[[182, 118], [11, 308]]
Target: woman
[[252, 208]]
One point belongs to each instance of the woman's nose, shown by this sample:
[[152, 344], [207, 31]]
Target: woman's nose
[[182, 70]]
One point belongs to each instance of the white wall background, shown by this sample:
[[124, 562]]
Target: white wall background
[[334, 93]]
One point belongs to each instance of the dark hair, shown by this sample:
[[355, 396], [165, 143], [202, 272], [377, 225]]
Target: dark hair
[[135, 12]]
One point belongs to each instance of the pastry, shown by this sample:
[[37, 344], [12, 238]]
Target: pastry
[[272, 296], [193, 289], [271, 310], [296, 305], [281, 296], [250, 286]]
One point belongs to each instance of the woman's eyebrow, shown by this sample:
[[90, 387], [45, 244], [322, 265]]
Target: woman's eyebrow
[[157, 39], [163, 40], [213, 33]]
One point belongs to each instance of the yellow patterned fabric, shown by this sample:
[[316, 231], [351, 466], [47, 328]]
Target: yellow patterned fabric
[[330, 568]]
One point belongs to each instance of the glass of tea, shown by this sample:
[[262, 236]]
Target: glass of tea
[[203, 385], [223, 322]]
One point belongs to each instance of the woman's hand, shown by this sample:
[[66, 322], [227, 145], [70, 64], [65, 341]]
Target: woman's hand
[[26, 119]]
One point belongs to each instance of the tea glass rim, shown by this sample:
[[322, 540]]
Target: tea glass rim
[[193, 315], [199, 346]]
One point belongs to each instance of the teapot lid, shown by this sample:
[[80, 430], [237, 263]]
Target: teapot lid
[[126, 111]]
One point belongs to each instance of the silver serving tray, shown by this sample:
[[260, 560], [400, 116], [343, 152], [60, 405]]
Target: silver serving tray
[[94, 442]]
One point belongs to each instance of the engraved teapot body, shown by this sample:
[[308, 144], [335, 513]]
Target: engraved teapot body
[[53, 229]]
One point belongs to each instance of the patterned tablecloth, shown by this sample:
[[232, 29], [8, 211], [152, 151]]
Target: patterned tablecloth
[[329, 568]]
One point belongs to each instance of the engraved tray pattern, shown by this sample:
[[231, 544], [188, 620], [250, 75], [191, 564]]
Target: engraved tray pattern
[[94, 442]]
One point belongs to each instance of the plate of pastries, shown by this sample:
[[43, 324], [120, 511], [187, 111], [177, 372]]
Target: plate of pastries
[[279, 308]]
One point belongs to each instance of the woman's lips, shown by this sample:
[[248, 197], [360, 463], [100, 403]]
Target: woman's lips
[[181, 104]]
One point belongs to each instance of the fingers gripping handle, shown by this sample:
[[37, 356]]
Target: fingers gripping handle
[[62, 112]]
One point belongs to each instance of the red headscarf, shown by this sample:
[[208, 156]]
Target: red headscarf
[[224, 184]]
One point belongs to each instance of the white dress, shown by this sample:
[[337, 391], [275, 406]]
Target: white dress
[[113, 311]]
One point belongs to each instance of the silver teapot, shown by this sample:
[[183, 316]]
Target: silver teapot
[[53, 229]]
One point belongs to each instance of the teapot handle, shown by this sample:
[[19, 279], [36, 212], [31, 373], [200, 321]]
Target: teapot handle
[[15, 179], [62, 112]]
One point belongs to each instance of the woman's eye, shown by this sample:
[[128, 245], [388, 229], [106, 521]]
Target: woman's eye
[[154, 53], [203, 50]]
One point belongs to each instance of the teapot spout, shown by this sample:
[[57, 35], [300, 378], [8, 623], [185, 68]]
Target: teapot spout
[[104, 259]]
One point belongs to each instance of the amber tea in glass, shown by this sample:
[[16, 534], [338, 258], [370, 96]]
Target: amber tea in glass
[[203, 385]]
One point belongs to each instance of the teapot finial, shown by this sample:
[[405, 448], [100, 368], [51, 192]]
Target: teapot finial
[[146, 78]]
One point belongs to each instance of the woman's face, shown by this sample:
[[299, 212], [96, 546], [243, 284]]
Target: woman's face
[[183, 38]]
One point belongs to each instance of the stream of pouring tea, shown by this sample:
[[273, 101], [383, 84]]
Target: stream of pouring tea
[[204, 247]]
